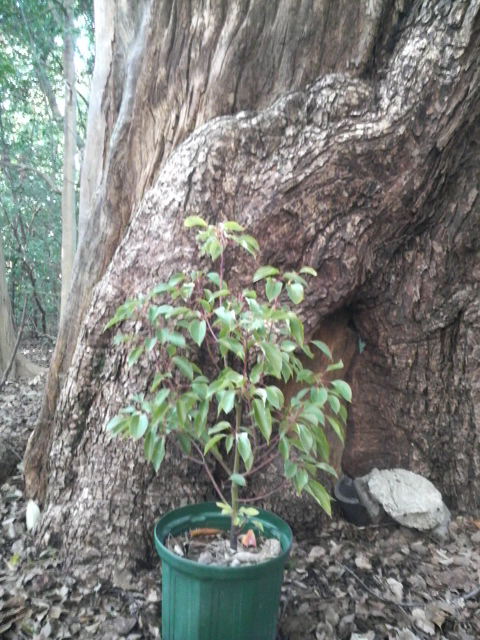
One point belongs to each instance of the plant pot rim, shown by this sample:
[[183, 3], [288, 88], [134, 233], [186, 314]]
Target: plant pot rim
[[197, 515]]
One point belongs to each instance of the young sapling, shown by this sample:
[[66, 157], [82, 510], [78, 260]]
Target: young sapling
[[225, 354]]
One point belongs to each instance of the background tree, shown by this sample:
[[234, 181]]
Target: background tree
[[349, 141], [31, 150]]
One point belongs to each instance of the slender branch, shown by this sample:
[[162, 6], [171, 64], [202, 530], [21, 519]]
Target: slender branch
[[23, 166], [42, 77], [209, 473], [265, 495], [379, 597], [264, 463]]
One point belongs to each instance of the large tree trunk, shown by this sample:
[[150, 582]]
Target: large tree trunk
[[364, 167]]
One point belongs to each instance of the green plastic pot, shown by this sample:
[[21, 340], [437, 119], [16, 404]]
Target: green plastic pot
[[204, 602]]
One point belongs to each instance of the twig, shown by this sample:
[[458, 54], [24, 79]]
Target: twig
[[209, 473], [472, 594], [264, 495], [379, 597], [15, 348]]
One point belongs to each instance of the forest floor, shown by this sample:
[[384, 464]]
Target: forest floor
[[348, 583]]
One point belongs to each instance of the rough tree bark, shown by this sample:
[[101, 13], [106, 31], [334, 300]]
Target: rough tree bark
[[358, 155]]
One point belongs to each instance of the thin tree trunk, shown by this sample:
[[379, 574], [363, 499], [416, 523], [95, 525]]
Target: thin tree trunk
[[367, 174], [20, 367], [69, 225]]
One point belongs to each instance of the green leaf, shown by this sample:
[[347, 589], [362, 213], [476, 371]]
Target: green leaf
[[250, 512], [256, 372], [226, 316], [198, 329], [308, 270], [175, 280], [343, 388], [123, 312], [150, 343], [265, 272], [322, 443], [231, 225], [161, 310], [228, 443], [184, 442], [307, 351], [245, 449], [337, 427], [306, 375], [184, 365], [138, 425], [320, 494], [214, 277], [273, 356], [319, 396], [334, 403], [306, 437], [220, 426], [232, 345], [134, 355], [194, 221], [300, 480], [273, 288], [295, 292], [248, 243], [173, 338], [290, 469], [261, 393], [275, 397], [262, 418], [149, 445], [238, 479], [212, 442], [226, 508], [296, 328], [323, 348], [288, 346], [117, 424], [158, 379], [226, 402], [324, 466], [200, 421], [212, 247], [158, 453], [284, 448], [335, 366]]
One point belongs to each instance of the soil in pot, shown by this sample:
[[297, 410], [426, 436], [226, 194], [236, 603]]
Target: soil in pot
[[211, 546]]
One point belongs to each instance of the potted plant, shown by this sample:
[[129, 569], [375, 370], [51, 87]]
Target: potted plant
[[225, 355]]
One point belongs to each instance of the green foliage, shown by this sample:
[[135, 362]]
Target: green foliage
[[31, 147], [225, 355]]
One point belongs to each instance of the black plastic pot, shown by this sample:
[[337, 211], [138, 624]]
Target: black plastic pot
[[347, 498]]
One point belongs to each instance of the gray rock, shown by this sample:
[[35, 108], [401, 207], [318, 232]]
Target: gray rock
[[374, 509], [408, 498]]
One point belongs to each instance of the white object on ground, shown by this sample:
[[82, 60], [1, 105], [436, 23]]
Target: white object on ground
[[408, 498]]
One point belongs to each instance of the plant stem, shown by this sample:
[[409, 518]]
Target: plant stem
[[209, 473], [236, 468]]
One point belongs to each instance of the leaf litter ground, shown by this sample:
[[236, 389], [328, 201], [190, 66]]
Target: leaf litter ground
[[347, 583]]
